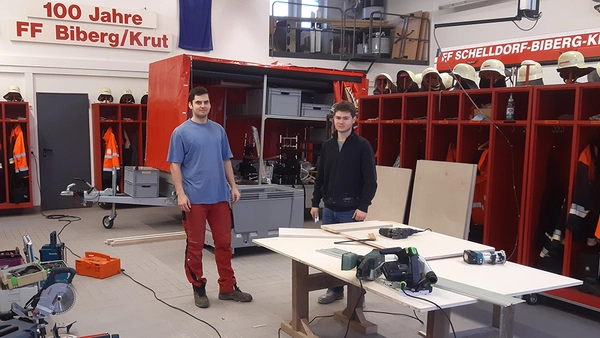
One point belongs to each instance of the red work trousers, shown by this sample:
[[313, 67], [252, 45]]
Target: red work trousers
[[218, 216]]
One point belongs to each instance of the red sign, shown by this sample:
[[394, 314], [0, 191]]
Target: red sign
[[540, 49]]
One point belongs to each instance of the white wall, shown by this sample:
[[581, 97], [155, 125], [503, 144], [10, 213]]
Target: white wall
[[240, 32]]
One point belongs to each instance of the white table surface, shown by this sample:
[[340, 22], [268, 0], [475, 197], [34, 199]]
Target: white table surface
[[304, 251], [430, 245], [509, 279]]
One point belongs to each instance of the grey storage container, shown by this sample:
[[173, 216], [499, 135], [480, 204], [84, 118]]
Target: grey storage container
[[261, 211], [315, 110], [141, 181], [280, 101], [137, 175], [141, 189]]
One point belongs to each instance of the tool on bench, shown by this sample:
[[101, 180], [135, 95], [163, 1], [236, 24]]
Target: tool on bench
[[371, 238], [488, 257], [398, 233], [408, 268]]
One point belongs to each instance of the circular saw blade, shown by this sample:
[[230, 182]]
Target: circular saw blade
[[64, 299]]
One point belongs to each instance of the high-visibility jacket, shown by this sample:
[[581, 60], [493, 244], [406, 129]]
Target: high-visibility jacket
[[111, 153], [585, 202], [18, 157]]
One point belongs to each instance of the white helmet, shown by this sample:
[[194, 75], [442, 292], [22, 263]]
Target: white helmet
[[405, 81], [492, 66], [535, 71], [465, 71], [127, 97], [595, 75], [384, 84], [418, 79], [447, 80], [13, 94], [431, 76], [572, 64], [105, 95]]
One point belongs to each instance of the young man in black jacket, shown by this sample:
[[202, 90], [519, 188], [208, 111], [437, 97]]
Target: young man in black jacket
[[346, 178]]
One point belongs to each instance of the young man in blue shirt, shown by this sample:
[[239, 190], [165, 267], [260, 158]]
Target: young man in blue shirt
[[346, 178], [201, 169]]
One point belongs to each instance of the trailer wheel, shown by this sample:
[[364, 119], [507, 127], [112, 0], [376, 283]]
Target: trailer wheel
[[107, 222], [531, 299]]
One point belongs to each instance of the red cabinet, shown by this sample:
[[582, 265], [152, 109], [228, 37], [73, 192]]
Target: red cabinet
[[15, 187]]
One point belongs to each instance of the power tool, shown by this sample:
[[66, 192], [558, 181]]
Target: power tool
[[398, 233], [54, 251], [408, 268], [487, 257]]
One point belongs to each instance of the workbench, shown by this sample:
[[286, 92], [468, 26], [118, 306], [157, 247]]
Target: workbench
[[509, 279]]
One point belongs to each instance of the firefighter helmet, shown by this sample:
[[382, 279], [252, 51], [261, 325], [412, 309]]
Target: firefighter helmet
[[571, 65], [105, 95], [536, 73], [13, 94], [127, 97]]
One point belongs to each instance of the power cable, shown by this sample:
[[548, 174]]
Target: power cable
[[512, 153], [169, 305], [59, 217], [427, 300]]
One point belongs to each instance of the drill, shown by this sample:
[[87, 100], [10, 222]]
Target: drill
[[481, 257]]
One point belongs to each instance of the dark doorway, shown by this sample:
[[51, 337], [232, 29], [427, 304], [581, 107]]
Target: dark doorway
[[64, 146]]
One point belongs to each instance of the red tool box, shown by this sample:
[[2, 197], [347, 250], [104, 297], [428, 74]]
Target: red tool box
[[97, 265]]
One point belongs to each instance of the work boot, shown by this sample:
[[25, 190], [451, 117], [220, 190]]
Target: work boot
[[236, 295], [200, 298], [330, 297]]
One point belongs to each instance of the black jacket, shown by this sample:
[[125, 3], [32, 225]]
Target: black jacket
[[346, 179]]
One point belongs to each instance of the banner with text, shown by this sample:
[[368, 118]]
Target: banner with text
[[512, 53], [72, 24]]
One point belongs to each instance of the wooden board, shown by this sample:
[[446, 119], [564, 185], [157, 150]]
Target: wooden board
[[390, 199], [442, 197], [422, 45], [337, 228], [308, 233], [412, 32], [431, 245]]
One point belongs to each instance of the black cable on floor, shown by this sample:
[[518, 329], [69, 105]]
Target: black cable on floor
[[361, 298], [169, 305], [428, 301], [59, 217]]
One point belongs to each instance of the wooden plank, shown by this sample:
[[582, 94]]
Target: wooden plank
[[145, 238], [412, 32], [442, 197], [390, 199], [366, 225], [423, 34]]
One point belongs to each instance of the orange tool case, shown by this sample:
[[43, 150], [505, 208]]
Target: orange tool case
[[97, 265]]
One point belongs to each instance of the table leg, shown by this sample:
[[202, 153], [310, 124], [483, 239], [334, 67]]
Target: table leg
[[354, 313], [438, 325], [298, 327], [504, 319]]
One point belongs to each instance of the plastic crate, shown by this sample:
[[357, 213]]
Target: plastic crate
[[97, 265]]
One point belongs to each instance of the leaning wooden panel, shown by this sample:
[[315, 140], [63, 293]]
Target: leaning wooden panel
[[390, 199], [442, 197]]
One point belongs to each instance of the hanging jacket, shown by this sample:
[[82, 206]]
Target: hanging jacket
[[111, 152], [585, 203], [18, 157]]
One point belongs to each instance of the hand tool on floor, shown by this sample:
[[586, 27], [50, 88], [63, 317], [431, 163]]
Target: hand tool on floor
[[371, 238]]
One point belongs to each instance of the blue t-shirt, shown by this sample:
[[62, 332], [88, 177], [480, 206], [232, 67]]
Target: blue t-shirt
[[201, 149]]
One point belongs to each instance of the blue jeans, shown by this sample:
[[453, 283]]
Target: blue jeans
[[334, 217]]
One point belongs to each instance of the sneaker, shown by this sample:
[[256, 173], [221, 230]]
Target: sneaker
[[200, 298], [236, 295], [330, 297]]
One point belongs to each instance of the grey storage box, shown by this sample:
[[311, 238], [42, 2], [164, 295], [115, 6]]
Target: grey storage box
[[261, 211], [315, 110], [141, 189], [141, 181], [280, 101]]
